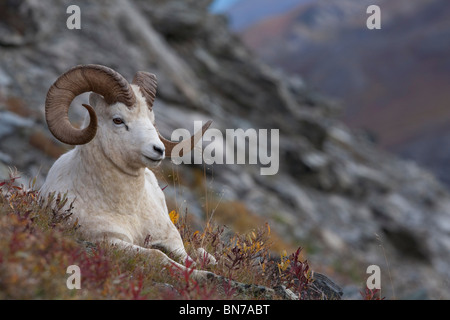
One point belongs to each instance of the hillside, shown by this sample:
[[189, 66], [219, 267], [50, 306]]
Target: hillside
[[347, 203], [392, 81]]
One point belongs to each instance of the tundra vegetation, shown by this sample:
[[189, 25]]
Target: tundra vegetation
[[40, 238]]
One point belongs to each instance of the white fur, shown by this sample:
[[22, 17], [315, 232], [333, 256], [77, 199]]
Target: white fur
[[115, 195]]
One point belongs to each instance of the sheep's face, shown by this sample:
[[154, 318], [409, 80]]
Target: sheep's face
[[128, 136], [120, 123]]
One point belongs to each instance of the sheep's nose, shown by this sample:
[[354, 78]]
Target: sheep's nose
[[159, 150]]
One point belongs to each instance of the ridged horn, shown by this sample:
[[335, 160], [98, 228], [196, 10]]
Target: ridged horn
[[84, 78], [147, 84]]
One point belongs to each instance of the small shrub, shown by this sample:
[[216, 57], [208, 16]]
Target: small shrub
[[295, 274], [371, 294]]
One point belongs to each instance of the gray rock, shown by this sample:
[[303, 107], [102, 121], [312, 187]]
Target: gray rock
[[325, 287], [10, 123], [4, 171]]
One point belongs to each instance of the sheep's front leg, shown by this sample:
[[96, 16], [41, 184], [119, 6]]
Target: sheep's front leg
[[176, 250], [181, 255], [158, 255]]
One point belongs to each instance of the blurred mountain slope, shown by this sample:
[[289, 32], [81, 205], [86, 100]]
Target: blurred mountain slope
[[245, 13], [394, 81]]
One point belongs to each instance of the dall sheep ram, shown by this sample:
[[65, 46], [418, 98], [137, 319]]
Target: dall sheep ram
[[107, 175]]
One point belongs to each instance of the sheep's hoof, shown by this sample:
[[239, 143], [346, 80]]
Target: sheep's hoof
[[206, 257]]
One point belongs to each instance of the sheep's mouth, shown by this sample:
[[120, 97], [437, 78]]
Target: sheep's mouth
[[152, 160]]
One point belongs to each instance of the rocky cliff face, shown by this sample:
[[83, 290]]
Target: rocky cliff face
[[348, 203]]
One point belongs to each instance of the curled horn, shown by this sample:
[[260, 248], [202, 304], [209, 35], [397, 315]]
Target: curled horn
[[84, 78], [147, 84]]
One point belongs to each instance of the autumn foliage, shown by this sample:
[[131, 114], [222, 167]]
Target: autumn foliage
[[40, 239]]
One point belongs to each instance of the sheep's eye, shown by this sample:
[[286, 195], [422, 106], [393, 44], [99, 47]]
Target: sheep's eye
[[117, 121]]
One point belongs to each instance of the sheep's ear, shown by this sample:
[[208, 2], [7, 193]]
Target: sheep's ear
[[95, 99]]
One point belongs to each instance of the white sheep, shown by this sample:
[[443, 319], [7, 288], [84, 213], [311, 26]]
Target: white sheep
[[107, 174]]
